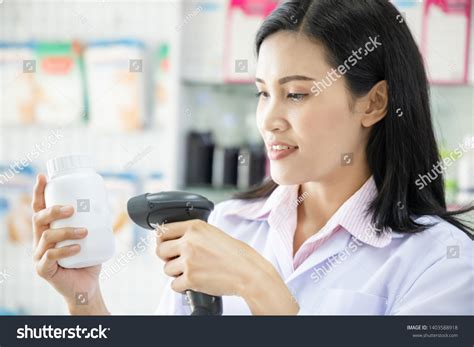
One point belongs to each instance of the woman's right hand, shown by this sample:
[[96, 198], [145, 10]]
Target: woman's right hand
[[79, 287]]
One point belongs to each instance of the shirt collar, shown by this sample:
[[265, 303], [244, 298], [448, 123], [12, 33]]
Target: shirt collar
[[353, 215], [259, 209]]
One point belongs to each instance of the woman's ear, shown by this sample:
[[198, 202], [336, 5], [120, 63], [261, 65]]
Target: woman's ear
[[376, 102]]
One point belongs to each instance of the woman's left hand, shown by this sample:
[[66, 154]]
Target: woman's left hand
[[205, 259]]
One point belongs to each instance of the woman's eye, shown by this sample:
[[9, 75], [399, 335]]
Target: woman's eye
[[259, 94], [296, 96]]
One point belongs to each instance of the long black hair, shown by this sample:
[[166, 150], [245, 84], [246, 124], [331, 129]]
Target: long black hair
[[402, 145]]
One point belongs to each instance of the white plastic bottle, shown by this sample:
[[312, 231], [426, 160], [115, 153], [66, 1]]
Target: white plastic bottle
[[72, 181]]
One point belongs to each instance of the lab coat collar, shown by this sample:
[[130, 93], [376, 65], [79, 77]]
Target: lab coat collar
[[334, 245]]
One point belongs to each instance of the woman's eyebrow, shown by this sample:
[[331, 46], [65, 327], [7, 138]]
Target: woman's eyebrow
[[287, 79]]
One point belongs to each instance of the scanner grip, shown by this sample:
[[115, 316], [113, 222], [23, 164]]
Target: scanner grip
[[204, 304], [201, 304]]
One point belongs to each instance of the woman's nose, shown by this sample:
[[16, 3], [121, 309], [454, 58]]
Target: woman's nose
[[273, 118]]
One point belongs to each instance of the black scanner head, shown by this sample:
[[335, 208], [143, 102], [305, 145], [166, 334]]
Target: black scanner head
[[152, 209]]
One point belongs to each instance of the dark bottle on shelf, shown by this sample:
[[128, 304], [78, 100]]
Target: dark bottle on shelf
[[225, 167], [251, 166], [199, 157]]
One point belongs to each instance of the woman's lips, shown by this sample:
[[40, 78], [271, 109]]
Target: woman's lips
[[277, 154]]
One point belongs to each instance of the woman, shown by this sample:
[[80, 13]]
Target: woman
[[343, 226]]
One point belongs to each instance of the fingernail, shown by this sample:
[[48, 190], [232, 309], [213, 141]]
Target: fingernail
[[80, 231], [66, 209]]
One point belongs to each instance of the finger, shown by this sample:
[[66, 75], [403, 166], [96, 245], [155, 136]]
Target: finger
[[50, 214], [175, 230], [52, 236], [168, 249], [38, 202], [180, 284], [43, 218], [48, 264], [174, 268], [161, 229]]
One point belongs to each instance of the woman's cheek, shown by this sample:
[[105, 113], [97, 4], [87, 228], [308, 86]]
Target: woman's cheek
[[321, 146], [259, 119]]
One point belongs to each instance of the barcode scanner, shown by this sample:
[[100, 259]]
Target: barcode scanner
[[153, 209]]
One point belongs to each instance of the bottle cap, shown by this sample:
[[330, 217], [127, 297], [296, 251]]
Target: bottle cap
[[67, 162]]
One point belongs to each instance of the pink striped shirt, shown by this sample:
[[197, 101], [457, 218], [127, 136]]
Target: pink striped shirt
[[280, 210]]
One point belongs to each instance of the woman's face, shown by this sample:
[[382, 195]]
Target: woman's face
[[324, 135]]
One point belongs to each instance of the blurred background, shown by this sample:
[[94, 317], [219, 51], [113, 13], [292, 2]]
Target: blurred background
[[161, 95]]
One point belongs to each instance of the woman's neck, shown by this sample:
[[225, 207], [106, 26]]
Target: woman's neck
[[320, 200]]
